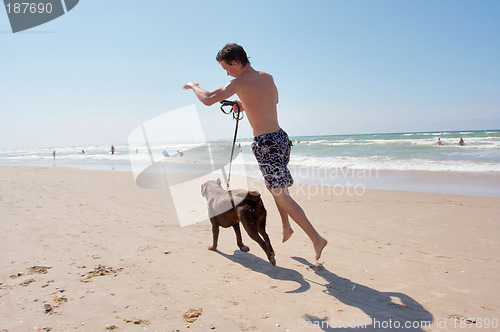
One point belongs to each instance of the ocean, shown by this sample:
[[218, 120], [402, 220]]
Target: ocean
[[378, 161]]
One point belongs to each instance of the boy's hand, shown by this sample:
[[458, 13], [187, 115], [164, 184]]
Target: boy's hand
[[240, 107], [190, 85]]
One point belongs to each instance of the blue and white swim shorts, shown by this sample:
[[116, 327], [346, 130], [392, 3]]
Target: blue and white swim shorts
[[272, 151]]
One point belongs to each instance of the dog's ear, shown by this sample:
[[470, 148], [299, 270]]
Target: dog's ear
[[204, 189], [218, 181]]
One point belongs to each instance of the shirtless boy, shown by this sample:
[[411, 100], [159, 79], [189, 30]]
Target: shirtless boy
[[271, 146]]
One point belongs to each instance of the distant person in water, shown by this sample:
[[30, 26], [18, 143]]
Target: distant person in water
[[54, 154], [461, 142], [112, 149], [439, 141]]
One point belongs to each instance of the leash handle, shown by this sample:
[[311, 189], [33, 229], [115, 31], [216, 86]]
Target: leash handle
[[236, 115]]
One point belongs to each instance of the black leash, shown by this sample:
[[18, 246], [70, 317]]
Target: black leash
[[237, 116]]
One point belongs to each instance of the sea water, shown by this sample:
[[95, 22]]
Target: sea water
[[403, 151], [326, 160]]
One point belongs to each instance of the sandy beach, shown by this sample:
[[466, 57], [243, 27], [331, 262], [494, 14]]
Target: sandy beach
[[91, 251]]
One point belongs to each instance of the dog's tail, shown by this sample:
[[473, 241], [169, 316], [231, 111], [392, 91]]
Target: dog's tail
[[240, 195], [253, 195]]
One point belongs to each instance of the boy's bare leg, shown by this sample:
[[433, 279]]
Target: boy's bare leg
[[287, 204], [287, 229]]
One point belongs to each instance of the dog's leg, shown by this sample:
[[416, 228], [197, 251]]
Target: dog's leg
[[261, 228], [215, 233], [239, 241], [266, 240], [254, 234], [270, 254]]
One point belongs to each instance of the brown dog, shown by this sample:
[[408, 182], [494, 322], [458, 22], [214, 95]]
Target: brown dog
[[228, 208]]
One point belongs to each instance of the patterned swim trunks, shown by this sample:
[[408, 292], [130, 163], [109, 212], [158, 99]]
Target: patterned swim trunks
[[272, 151]]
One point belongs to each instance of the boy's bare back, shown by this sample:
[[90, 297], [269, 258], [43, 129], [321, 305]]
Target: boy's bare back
[[259, 96]]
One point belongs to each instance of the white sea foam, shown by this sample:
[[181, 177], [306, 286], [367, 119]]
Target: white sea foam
[[388, 163], [407, 151]]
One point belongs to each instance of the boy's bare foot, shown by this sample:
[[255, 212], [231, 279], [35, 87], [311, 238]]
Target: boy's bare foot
[[287, 233], [318, 247]]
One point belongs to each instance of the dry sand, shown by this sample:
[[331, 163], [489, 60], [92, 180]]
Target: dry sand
[[91, 251]]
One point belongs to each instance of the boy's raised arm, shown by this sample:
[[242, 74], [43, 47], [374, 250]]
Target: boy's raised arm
[[211, 97]]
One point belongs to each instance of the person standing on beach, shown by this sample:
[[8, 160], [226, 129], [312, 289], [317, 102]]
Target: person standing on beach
[[271, 146]]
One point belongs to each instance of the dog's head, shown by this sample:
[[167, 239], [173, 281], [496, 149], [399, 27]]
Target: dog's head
[[205, 187]]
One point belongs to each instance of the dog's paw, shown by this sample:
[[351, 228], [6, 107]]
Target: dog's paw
[[272, 260], [244, 248]]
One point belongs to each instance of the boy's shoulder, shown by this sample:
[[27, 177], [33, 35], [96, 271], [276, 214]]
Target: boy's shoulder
[[263, 73], [252, 78]]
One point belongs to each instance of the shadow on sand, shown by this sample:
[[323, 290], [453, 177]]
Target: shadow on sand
[[259, 265], [386, 311]]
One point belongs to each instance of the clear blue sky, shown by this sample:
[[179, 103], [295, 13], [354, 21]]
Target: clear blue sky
[[94, 74]]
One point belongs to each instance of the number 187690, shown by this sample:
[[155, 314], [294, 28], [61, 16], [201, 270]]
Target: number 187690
[[479, 323], [29, 8]]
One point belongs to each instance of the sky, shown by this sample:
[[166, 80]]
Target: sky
[[341, 67]]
